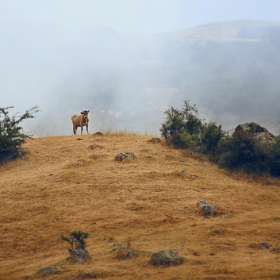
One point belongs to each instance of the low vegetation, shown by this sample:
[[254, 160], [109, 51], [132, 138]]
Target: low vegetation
[[76, 239], [11, 134], [239, 152]]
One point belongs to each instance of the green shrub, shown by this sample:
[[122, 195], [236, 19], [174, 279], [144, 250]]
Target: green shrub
[[76, 239], [11, 134], [244, 153], [275, 158], [185, 140], [185, 129], [179, 121], [211, 136]]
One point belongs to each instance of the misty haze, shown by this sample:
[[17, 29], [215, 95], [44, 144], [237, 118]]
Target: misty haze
[[230, 70]]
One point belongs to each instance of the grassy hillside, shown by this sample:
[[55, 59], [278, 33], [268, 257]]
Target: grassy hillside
[[144, 201]]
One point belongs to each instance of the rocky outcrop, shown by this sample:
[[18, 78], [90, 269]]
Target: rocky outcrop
[[125, 156], [78, 255], [207, 208], [49, 270], [155, 140], [166, 258], [256, 131]]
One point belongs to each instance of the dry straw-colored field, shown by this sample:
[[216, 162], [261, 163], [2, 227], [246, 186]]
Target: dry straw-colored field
[[145, 201]]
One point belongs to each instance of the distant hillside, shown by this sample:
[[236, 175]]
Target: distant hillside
[[72, 183], [228, 31], [229, 69]]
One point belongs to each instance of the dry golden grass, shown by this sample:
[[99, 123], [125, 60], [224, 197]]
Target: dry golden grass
[[144, 201]]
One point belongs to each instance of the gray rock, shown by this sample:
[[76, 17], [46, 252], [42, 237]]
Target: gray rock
[[78, 255], [130, 254], [88, 273], [155, 140], [49, 270], [95, 146], [265, 245], [207, 208], [166, 258], [276, 250], [124, 156], [257, 132], [118, 246]]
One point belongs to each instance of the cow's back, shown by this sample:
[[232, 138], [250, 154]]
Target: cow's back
[[75, 117]]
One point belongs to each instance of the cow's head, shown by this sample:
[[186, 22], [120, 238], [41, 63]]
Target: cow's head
[[85, 113]]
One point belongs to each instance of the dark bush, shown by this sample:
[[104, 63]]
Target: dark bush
[[11, 134], [211, 136], [244, 153], [76, 239], [241, 152], [275, 158], [185, 140]]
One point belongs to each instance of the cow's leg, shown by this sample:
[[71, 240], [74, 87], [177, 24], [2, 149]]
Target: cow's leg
[[74, 130], [81, 129], [87, 128]]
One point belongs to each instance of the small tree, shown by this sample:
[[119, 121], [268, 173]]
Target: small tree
[[76, 240], [181, 125], [185, 129], [11, 134]]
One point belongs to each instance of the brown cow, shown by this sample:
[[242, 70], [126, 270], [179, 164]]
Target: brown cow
[[80, 120]]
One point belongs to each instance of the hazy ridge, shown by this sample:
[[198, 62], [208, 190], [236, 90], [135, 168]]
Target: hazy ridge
[[229, 69]]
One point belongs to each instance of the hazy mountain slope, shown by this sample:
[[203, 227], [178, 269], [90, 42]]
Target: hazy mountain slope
[[229, 69], [47, 194], [224, 31]]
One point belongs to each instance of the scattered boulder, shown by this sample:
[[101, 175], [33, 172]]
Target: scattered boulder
[[98, 133], [276, 250], [95, 146], [259, 246], [129, 254], [49, 270], [207, 208], [265, 245], [181, 172], [88, 273], [124, 156], [123, 251], [257, 132], [155, 140], [78, 255], [118, 246], [166, 258]]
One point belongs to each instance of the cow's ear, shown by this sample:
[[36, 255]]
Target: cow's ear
[[82, 112]]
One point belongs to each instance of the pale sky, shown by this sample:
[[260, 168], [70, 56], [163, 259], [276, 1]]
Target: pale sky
[[147, 16]]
